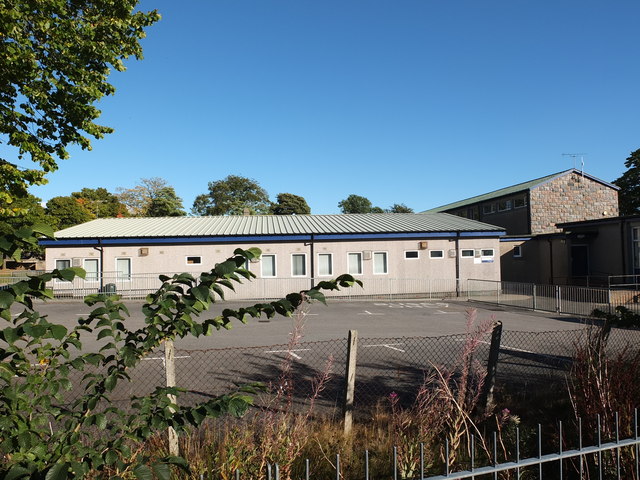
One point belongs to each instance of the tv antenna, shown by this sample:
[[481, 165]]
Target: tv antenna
[[575, 156]]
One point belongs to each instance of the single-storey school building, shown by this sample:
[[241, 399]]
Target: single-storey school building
[[393, 254]]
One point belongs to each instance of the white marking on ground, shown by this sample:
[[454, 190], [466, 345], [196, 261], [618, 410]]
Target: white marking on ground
[[387, 345], [440, 312], [507, 347], [367, 312], [290, 352], [163, 360], [413, 305]]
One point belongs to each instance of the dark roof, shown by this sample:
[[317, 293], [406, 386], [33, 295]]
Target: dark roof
[[520, 187]]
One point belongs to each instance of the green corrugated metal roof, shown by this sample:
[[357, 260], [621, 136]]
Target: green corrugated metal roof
[[520, 187], [273, 225]]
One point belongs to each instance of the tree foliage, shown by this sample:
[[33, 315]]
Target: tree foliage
[[32, 213], [231, 196], [44, 436], [290, 204], [152, 197], [399, 208], [66, 212], [166, 203], [629, 183], [355, 204], [100, 202], [56, 56]]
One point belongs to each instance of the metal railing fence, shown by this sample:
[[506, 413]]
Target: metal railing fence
[[571, 300], [138, 286]]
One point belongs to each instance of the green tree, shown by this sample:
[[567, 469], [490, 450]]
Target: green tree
[[629, 183], [139, 198], [166, 203], [231, 196], [32, 212], [55, 58], [66, 212], [290, 204], [100, 202], [399, 208], [355, 204]]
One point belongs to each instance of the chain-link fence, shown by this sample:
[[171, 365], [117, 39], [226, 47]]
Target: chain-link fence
[[384, 365]]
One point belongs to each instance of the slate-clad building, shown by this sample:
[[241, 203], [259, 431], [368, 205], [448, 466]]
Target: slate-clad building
[[387, 251]]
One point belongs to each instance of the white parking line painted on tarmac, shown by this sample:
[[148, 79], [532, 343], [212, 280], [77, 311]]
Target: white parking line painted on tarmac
[[440, 312], [367, 312], [437, 305], [386, 345], [290, 352], [162, 358], [505, 347]]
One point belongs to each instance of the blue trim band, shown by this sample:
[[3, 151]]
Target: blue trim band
[[63, 242], [520, 239]]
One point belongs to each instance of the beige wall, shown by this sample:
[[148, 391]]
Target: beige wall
[[172, 258]]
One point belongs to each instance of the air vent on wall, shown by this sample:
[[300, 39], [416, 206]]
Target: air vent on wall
[[143, 252], [423, 245]]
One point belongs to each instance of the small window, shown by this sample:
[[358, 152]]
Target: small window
[[436, 253], [91, 267], [517, 251], [411, 254], [519, 202], [487, 252], [380, 266], [298, 265], [355, 263], [268, 265], [488, 208], [325, 264], [123, 268], [467, 253], [194, 260], [504, 205]]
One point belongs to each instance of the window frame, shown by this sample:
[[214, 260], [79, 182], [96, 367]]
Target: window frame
[[187, 262], [488, 208], [304, 264], [330, 255], [508, 205], [417, 252], [439, 257], [68, 262], [517, 251], [360, 256], [84, 266], [275, 265], [462, 250], [126, 278], [483, 255], [523, 199], [386, 262]]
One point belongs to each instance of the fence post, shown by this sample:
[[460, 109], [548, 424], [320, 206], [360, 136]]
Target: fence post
[[558, 298], [492, 365], [350, 377], [170, 377], [535, 303]]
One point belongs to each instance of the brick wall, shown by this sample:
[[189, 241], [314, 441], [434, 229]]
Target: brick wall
[[570, 198]]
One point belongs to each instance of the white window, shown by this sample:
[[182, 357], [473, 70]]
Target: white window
[[411, 254], [268, 265], [298, 264], [123, 268], [467, 253], [380, 266], [194, 260], [436, 253], [517, 251], [325, 264], [487, 252], [91, 267], [355, 263], [61, 265], [488, 208]]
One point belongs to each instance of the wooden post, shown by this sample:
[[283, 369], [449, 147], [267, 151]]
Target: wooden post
[[170, 376], [492, 365], [350, 377]]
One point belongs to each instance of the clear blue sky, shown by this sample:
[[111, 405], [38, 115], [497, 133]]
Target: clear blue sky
[[421, 102]]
